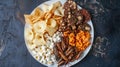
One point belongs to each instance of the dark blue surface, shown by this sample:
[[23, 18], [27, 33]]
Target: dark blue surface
[[106, 20]]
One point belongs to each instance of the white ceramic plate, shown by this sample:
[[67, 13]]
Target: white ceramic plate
[[85, 52]]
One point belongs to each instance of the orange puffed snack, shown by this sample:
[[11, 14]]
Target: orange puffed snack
[[66, 33], [82, 40], [72, 39]]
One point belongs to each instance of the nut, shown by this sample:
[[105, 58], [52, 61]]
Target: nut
[[79, 18], [63, 24], [87, 28], [69, 13], [69, 16], [69, 2], [73, 27], [74, 5]]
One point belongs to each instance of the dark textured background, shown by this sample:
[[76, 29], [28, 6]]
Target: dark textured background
[[105, 51]]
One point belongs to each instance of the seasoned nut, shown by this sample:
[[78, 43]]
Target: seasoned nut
[[68, 24], [87, 28], [62, 24], [74, 5], [68, 9], [74, 27], [79, 18], [64, 27], [69, 16], [79, 27], [70, 5], [69, 2], [60, 29], [69, 13], [78, 22]]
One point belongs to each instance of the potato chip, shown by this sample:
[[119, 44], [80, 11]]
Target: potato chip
[[47, 16], [59, 12], [57, 18], [39, 27], [44, 19], [31, 45], [28, 19], [52, 26], [52, 23], [35, 16], [46, 7], [39, 39], [29, 35], [55, 6], [38, 13]]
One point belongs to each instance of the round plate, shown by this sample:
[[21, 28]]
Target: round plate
[[85, 52]]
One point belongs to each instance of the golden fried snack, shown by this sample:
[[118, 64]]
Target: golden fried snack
[[39, 27], [36, 16], [72, 39], [29, 35], [52, 26], [39, 39], [82, 40]]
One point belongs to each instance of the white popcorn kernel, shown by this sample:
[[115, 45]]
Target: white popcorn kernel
[[34, 52], [49, 62], [37, 57]]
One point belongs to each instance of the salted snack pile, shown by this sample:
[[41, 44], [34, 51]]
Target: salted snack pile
[[42, 30], [57, 32], [76, 33]]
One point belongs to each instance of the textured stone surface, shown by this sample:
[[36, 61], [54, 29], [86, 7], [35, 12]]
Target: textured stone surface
[[106, 20]]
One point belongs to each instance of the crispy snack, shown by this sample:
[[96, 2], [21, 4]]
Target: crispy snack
[[63, 56], [42, 20], [52, 26], [59, 48], [61, 62], [29, 35], [82, 40], [48, 18], [59, 12], [67, 55], [86, 15], [39, 27], [78, 55], [45, 19], [77, 43], [37, 15], [76, 33], [66, 33], [72, 39], [28, 19], [39, 39]]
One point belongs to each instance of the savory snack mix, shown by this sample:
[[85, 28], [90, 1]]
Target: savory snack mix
[[57, 33]]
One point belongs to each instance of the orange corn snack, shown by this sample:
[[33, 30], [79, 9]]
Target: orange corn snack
[[66, 33], [81, 40], [72, 39]]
